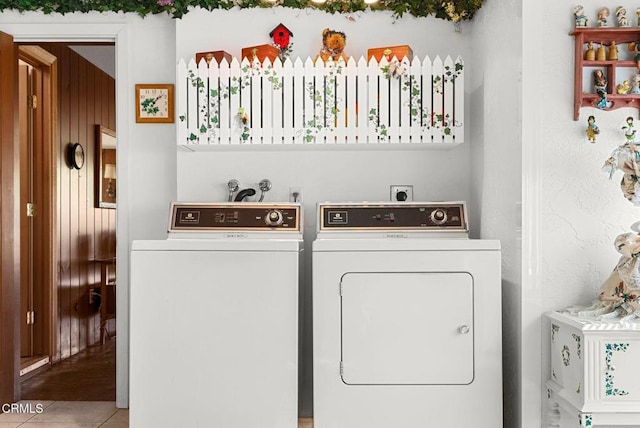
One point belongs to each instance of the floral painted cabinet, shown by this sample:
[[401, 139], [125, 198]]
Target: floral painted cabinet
[[595, 372]]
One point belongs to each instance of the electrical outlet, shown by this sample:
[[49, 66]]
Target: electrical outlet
[[295, 194], [401, 193]]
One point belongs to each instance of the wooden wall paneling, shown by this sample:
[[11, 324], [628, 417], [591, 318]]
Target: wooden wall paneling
[[108, 111], [65, 206], [93, 321], [75, 211], [88, 265], [83, 237]]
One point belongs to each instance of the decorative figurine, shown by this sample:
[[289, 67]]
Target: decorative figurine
[[590, 53], [635, 88], [581, 19], [621, 16], [592, 129], [333, 43], [613, 51], [638, 16], [619, 296], [603, 14], [629, 131], [635, 48], [623, 88], [601, 53], [281, 36], [600, 87]]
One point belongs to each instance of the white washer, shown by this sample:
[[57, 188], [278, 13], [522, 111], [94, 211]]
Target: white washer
[[214, 319], [406, 318]]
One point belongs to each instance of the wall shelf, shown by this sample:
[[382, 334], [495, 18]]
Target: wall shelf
[[616, 71]]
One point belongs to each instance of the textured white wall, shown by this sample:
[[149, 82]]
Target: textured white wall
[[572, 210], [496, 100]]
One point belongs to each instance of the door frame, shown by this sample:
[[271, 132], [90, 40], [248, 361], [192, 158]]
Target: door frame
[[36, 28], [45, 196]]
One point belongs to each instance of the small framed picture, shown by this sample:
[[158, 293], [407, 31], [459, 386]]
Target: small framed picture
[[154, 103]]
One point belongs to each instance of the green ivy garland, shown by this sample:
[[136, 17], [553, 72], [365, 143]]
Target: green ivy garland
[[451, 10]]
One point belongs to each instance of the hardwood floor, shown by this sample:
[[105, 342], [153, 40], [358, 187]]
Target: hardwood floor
[[87, 376]]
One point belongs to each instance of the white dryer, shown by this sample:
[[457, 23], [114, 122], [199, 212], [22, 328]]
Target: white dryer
[[214, 318], [406, 318]]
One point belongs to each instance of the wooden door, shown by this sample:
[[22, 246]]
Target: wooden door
[[9, 223]]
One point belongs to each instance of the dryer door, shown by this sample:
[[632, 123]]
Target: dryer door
[[407, 328]]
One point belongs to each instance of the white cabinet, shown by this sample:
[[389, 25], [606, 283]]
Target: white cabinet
[[595, 375]]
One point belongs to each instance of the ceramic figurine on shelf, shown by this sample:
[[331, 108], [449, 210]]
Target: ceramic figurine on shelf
[[603, 14], [613, 51], [635, 48], [601, 53], [623, 88], [592, 129], [590, 53], [600, 87], [635, 88], [629, 130], [621, 16], [581, 19]]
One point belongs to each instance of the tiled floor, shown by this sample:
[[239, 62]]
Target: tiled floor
[[66, 414]]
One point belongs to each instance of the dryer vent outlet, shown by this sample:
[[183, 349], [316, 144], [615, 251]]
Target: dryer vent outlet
[[401, 193]]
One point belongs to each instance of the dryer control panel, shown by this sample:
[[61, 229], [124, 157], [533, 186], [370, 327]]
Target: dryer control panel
[[241, 216], [422, 216]]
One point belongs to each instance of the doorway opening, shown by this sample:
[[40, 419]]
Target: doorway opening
[[66, 235]]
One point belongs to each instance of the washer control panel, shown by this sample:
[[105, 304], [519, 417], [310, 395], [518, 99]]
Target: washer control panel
[[234, 216], [450, 216]]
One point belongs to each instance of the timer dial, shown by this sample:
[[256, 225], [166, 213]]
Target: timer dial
[[274, 218], [439, 216]]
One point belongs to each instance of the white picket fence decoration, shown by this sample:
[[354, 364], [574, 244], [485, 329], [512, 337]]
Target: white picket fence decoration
[[320, 103]]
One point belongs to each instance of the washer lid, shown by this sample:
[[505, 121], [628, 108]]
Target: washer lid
[[407, 328]]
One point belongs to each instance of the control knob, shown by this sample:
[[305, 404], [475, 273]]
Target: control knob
[[439, 216], [274, 218]]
